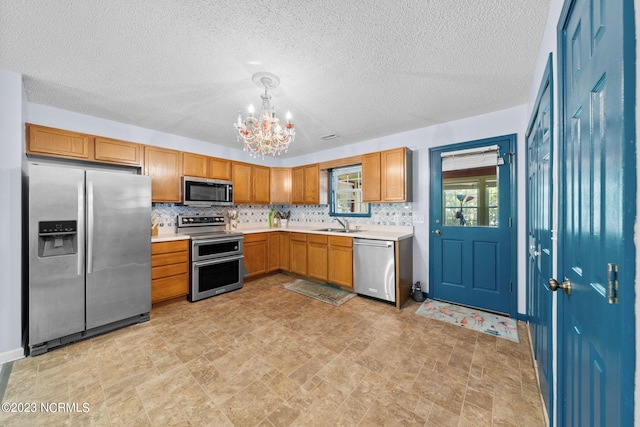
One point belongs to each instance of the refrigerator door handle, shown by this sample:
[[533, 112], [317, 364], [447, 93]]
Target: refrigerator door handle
[[80, 227], [89, 227]]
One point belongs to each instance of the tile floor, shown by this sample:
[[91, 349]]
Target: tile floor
[[264, 356]]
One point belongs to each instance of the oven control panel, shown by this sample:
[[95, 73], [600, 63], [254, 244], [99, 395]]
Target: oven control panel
[[200, 221]]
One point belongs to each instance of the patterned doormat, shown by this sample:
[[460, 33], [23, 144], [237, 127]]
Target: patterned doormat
[[333, 295], [481, 321]]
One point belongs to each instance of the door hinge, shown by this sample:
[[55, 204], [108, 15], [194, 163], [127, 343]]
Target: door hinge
[[612, 283], [510, 286], [510, 222], [510, 156]]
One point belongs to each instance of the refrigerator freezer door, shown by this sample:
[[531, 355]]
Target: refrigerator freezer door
[[118, 247], [56, 281]]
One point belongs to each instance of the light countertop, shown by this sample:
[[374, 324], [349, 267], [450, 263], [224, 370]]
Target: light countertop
[[168, 237], [367, 231]]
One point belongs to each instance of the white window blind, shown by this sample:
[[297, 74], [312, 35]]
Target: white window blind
[[471, 158]]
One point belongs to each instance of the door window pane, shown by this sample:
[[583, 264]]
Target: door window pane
[[470, 197]]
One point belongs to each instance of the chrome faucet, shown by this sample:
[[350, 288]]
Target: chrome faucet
[[345, 224]]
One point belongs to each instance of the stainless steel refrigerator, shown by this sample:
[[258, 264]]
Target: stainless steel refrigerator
[[89, 263]]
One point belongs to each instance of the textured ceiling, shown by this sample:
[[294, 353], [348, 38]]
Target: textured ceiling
[[359, 69]]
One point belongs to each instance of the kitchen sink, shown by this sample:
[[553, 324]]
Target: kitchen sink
[[338, 230]]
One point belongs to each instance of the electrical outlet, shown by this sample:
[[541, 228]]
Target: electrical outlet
[[418, 219]]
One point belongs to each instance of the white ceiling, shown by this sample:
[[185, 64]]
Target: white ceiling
[[359, 69]]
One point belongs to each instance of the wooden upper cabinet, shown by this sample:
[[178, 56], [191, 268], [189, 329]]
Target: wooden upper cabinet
[[297, 185], [261, 186], [195, 165], [280, 186], [395, 177], [242, 182], [115, 151], [250, 183], [305, 184], [74, 145], [57, 142], [163, 166], [312, 184], [387, 176], [371, 186], [220, 169]]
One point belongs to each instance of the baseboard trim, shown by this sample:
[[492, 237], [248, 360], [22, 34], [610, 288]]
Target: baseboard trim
[[11, 355]]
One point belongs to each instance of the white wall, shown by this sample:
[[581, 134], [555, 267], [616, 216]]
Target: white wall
[[11, 137]]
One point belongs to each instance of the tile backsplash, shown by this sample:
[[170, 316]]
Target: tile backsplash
[[393, 214]]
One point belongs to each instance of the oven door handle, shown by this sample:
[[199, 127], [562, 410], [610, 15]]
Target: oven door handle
[[217, 240], [220, 260]]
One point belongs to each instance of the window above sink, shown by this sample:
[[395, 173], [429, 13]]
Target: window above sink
[[346, 193]]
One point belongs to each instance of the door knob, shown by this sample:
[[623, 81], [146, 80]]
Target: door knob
[[565, 286], [438, 232]]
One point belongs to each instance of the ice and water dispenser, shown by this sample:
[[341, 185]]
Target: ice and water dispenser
[[57, 238]]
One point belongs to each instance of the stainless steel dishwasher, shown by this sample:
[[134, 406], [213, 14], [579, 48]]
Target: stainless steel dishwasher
[[374, 271]]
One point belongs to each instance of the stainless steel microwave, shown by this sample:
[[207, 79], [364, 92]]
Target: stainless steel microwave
[[206, 192]]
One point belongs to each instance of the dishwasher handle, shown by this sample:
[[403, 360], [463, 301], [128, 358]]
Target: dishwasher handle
[[373, 243]]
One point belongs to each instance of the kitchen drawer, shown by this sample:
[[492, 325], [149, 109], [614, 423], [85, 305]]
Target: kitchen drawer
[[169, 270], [255, 237], [169, 258], [317, 238], [341, 241], [172, 246], [169, 287], [300, 237]]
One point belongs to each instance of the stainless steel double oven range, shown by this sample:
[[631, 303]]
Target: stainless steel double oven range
[[217, 256]]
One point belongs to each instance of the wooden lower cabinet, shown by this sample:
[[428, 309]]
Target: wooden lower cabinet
[[340, 261], [298, 253], [273, 251], [284, 250], [169, 270], [317, 256], [255, 253]]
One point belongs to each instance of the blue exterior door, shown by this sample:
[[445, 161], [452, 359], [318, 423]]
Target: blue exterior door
[[597, 200], [539, 225], [471, 242]]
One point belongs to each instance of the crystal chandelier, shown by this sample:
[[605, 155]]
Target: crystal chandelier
[[264, 135]]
